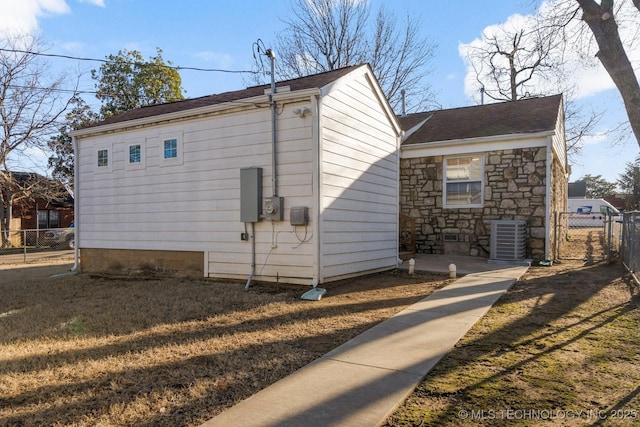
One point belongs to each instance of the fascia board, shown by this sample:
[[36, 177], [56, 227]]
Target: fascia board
[[481, 144], [196, 112]]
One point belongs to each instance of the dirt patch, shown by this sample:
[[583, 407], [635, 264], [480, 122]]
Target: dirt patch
[[560, 348], [80, 350]]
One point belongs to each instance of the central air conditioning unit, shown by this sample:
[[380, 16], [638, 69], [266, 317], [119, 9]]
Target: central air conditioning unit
[[508, 240]]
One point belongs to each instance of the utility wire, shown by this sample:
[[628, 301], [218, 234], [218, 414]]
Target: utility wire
[[78, 58]]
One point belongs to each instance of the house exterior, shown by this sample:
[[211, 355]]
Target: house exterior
[[37, 203], [203, 185], [463, 168]]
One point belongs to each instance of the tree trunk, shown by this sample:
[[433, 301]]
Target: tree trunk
[[600, 19]]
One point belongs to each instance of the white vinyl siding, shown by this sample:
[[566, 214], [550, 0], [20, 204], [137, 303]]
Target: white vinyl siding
[[359, 182], [194, 205], [343, 166]]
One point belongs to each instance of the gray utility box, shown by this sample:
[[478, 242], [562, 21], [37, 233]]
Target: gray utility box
[[250, 194], [299, 215], [274, 208]]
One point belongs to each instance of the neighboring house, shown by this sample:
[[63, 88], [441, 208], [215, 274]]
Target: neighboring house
[[180, 186], [622, 202], [463, 168], [578, 190], [38, 202]]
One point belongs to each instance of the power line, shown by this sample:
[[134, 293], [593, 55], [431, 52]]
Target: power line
[[76, 91], [106, 61]]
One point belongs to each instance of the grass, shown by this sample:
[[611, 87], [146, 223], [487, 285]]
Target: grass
[[560, 348], [147, 351]]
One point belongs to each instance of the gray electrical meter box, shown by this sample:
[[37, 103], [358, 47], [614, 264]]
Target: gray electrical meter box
[[274, 208], [250, 194]]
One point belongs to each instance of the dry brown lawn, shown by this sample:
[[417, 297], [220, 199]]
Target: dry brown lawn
[[144, 350], [560, 348]]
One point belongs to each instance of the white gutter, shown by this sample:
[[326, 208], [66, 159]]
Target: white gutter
[[194, 112], [76, 203]]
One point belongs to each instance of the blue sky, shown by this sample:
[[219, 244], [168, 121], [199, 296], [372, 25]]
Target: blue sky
[[220, 34]]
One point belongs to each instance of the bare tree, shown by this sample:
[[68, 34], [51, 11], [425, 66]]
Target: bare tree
[[324, 35], [30, 106], [524, 60], [601, 20], [509, 63]]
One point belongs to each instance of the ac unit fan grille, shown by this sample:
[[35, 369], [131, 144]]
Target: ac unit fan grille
[[508, 240]]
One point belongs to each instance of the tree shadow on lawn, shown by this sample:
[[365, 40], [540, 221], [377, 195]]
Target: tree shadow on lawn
[[190, 387], [519, 356]]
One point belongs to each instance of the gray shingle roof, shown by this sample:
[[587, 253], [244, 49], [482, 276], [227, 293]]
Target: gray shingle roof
[[516, 117]]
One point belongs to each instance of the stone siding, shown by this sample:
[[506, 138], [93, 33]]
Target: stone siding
[[559, 197], [514, 189]]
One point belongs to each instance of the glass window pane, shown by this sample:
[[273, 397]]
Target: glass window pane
[[170, 148], [54, 219], [103, 158], [135, 154], [467, 168], [464, 193], [43, 219]]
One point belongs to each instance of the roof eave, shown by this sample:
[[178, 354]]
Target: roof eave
[[478, 140], [192, 112]]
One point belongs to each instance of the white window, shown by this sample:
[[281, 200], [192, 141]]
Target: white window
[[171, 146], [463, 181], [103, 158], [135, 155]]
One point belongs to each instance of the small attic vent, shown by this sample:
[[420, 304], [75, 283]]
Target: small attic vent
[[508, 240]]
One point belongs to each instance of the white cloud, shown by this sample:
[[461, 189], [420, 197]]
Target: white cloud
[[22, 16], [582, 69], [99, 3], [222, 60], [596, 139]]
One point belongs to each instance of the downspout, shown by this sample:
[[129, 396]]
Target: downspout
[[398, 189], [547, 219], [317, 191], [253, 255], [76, 203]]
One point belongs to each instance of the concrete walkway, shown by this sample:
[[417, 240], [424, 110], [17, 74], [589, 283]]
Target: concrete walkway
[[364, 380]]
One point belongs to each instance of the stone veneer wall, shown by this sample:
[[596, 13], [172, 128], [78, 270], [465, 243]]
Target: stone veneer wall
[[514, 189], [559, 197]]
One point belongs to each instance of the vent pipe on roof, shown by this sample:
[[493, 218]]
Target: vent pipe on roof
[[482, 95], [404, 104]]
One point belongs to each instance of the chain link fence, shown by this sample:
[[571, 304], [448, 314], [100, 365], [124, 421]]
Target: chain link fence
[[30, 242], [592, 237], [630, 242]]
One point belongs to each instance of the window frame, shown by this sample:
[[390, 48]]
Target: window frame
[[169, 161], [446, 182], [135, 165], [110, 158]]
